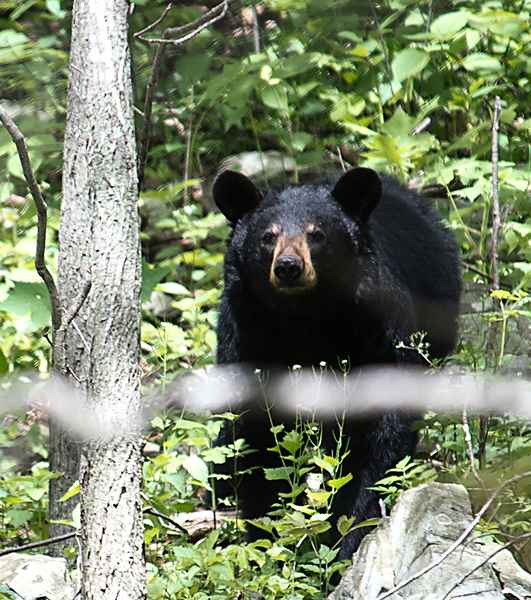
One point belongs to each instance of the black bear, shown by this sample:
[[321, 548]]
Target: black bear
[[330, 272]]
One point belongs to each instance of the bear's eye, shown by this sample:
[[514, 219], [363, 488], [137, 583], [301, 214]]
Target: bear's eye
[[316, 236], [269, 238]]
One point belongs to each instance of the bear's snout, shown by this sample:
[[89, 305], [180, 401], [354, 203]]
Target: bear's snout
[[291, 265], [288, 269]]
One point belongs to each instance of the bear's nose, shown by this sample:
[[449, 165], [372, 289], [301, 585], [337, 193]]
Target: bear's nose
[[288, 269]]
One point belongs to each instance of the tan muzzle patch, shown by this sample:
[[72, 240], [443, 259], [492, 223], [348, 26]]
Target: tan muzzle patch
[[297, 247]]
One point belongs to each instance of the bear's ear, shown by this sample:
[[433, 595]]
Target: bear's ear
[[235, 194], [358, 191]]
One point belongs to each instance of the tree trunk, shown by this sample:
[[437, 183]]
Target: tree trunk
[[99, 348]]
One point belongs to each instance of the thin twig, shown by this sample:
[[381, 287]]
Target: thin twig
[[187, 158], [52, 540], [477, 271], [485, 561], [156, 513], [209, 18], [424, 124], [341, 161], [459, 540], [496, 220], [71, 314], [85, 343], [197, 26], [60, 334], [42, 217], [470, 449], [155, 23], [148, 107], [493, 329], [256, 29], [387, 63], [337, 157]]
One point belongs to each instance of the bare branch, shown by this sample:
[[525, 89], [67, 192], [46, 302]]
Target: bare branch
[[256, 29], [424, 124], [155, 23], [477, 271], [385, 50], [492, 335], [42, 217], [187, 158], [206, 20], [496, 220], [340, 158], [60, 334], [482, 563], [156, 513], [148, 106], [460, 540], [470, 449], [70, 315], [52, 540], [210, 17]]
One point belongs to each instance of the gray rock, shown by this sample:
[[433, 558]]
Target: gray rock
[[36, 577], [425, 522]]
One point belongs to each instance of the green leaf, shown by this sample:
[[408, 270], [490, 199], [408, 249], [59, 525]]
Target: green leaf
[[21, 9], [399, 125], [150, 277], [300, 140], [344, 524], [197, 468], [388, 480], [10, 38], [173, 288], [402, 464], [409, 62], [296, 64], [500, 22], [449, 24], [276, 97], [187, 424], [193, 68], [367, 523], [319, 497], [292, 441], [72, 491], [327, 463], [278, 474], [479, 61], [339, 483], [31, 300], [215, 455], [37, 493], [4, 365], [16, 517]]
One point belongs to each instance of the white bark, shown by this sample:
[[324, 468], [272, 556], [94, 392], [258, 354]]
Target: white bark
[[99, 243]]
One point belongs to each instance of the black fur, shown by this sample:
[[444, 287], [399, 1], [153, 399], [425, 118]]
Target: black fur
[[386, 269]]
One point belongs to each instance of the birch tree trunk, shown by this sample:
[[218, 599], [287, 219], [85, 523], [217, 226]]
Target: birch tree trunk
[[99, 348]]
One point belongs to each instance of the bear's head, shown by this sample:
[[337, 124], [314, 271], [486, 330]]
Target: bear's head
[[300, 240]]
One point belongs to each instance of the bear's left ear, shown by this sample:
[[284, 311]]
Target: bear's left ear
[[358, 191], [235, 194]]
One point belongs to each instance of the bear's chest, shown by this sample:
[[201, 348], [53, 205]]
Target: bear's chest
[[290, 341]]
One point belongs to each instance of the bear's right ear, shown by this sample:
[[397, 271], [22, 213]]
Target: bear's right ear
[[235, 194], [358, 191]]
